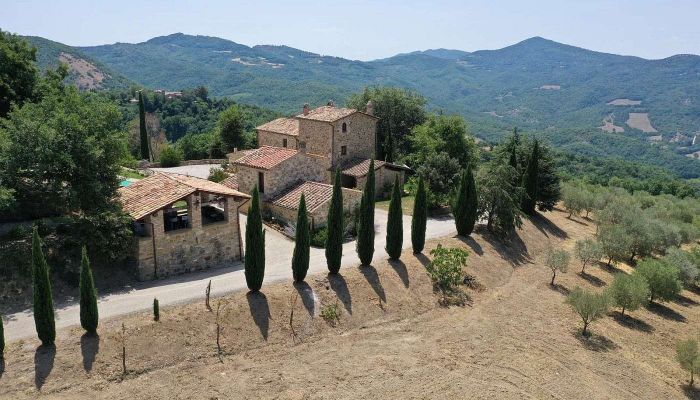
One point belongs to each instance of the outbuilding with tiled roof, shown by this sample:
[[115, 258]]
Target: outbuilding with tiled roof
[[182, 223]]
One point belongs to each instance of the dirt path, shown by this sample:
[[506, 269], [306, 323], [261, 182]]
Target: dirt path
[[517, 340]]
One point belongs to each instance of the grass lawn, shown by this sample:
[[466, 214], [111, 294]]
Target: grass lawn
[[127, 173], [406, 204]]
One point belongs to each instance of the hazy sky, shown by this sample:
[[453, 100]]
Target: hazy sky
[[371, 29]]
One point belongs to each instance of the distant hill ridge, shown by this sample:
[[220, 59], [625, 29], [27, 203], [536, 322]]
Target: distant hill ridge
[[536, 84]]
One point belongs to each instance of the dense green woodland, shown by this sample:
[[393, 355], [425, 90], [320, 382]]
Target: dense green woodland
[[505, 82]]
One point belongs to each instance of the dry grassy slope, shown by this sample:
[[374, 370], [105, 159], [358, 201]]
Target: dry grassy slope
[[517, 340]]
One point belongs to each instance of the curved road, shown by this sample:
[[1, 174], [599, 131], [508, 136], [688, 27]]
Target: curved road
[[191, 287]]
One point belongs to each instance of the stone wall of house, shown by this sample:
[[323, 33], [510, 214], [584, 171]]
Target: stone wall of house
[[195, 248], [383, 181], [317, 137], [300, 167], [319, 216], [359, 139], [267, 138]]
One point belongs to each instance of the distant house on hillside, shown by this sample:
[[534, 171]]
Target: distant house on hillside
[[182, 224], [300, 155]]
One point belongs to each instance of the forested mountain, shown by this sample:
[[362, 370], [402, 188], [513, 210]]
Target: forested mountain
[[649, 109]]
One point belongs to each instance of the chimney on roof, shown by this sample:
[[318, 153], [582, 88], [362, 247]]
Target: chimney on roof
[[331, 103], [305, 110], [369, 109]]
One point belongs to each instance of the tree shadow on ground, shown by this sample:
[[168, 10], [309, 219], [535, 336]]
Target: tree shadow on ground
[[612, 269], [560, 288], [593, 280], [307, 296], [340, 287], [694, 289], [665, 312], [631, 322], [2, 366], [685, 301], [595, 342], [423, 259], [44, 357], [370, 274], [469, 241], [511, 249], [547, 227], [89, 347], [401, 271], [691, 392], [260, 311]]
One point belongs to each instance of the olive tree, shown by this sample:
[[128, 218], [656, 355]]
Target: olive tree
[[587, 251], [557, 260], [688, 356], [590, 306], [629, 292], [663, 279]]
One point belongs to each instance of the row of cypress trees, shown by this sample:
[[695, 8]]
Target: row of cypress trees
[[44, 319]]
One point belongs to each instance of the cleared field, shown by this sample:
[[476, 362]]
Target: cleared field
[[516, 339], [640, 121], [610, 127], [87, 75], [624, 102]]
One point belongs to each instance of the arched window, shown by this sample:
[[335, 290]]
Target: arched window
[[345, 127]]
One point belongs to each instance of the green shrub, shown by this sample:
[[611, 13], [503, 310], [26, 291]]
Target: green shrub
[[217, 174], [334, 241], [170, 156], [419, 218], [319, 237], [365, 220], [446, 267], [331, 313]]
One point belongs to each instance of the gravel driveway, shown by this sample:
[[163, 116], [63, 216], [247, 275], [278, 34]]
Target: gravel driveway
[[190, 287]]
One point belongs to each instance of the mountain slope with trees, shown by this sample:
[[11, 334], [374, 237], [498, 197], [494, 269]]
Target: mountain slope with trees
[[539, 85]]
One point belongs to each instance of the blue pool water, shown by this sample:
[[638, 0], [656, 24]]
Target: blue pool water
[[124, 183]]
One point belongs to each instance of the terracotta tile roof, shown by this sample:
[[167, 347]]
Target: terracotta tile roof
[[266, 157], [162, 189], [287, 126], [231, 182], [316, 194], [328, 113], [360, 167]]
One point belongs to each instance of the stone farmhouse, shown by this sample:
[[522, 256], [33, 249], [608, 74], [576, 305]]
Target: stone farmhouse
[[300, 155], [182, 224]]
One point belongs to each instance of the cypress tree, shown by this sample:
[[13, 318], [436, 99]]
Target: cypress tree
[[334, 240], [2, 340], [254, 246], [465, 204], [420, 218], [43, 301], [145, 153], [389, 148], [365, 221], [394, 228], [156, 309], [300, 259], [530, 181], [89, 317]]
